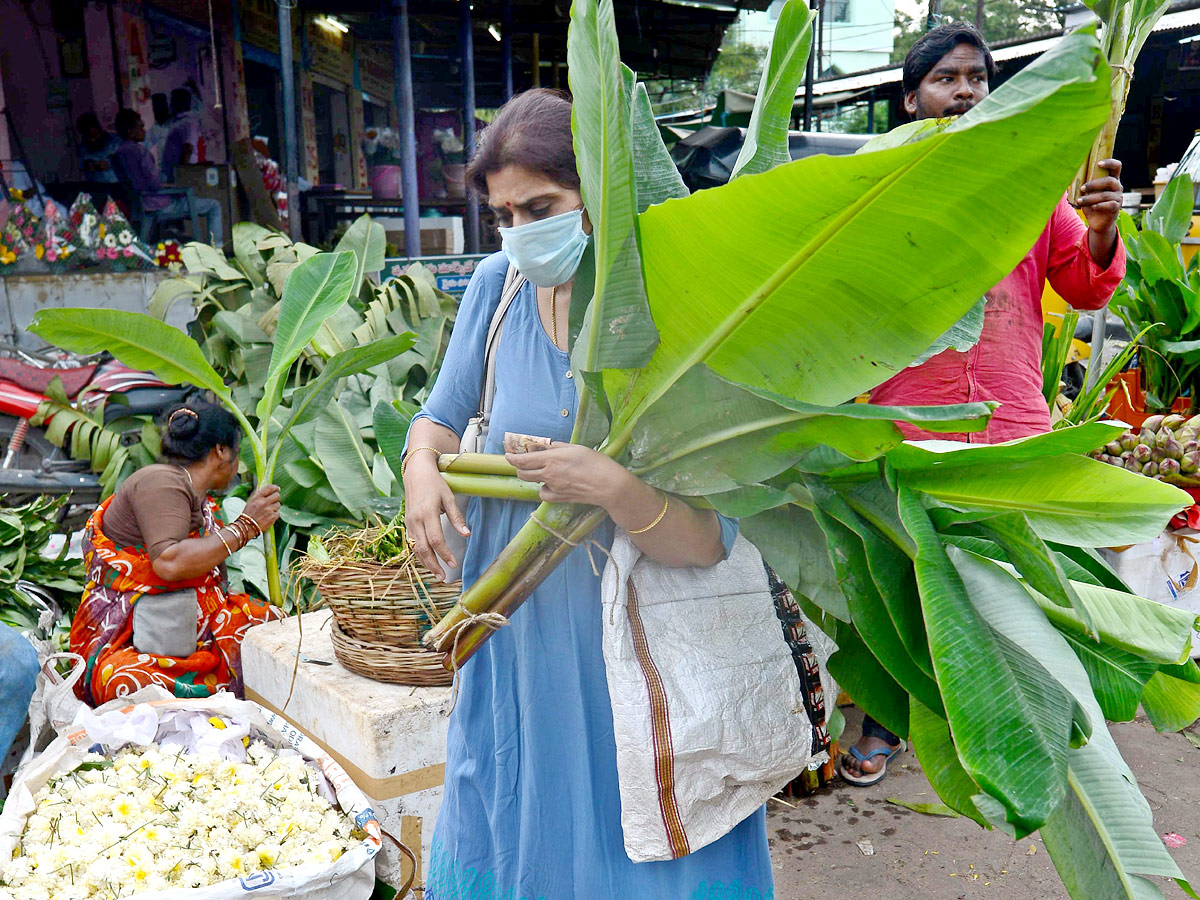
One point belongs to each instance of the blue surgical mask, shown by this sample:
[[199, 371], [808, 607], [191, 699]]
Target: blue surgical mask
[[547, 252]]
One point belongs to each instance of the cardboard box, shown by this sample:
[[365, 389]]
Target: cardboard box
[[212, 181]]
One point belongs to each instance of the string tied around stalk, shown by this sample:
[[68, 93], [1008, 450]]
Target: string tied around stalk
[[588, 543], [493, 620]]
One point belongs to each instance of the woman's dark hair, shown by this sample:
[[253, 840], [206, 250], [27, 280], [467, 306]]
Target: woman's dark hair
[[533, 130], [935, 44], [190, 430]]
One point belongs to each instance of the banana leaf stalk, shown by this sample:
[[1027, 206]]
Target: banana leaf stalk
[[1127, 25]]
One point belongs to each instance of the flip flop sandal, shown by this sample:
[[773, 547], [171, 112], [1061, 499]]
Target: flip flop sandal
[[866, 780]]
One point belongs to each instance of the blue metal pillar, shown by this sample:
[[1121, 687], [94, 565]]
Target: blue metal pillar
[[506, 54], [466, 45], [402, 62], [291, 154]]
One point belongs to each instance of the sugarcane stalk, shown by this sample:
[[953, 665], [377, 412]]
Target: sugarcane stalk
[[530, 544], [535, 567], [1121, 56], [494, 487]]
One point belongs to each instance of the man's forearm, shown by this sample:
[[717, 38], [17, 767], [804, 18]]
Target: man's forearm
[[1103, 246]]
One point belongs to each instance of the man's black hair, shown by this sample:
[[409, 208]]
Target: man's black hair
[[126, 120], [88, 120], [935, 44]]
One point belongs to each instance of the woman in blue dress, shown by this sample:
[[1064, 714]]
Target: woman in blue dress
[[531, 806]]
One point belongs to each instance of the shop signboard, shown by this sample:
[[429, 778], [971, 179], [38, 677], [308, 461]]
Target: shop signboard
[[375, 71], [330, 51], [453, 273]]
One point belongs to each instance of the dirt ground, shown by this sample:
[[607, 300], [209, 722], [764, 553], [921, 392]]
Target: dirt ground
[[816, 846]]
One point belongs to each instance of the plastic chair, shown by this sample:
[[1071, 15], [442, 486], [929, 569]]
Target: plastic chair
[[148, 221]]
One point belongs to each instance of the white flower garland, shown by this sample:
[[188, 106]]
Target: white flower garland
[[150, 820]]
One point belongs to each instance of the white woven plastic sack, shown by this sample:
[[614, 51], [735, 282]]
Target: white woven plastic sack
[[351, 877], [1166, 570], [708, 709]]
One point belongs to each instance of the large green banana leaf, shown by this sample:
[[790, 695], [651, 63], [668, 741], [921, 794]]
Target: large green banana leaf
[[137, 340], [620, 333], [881, 251], [314, 291], [766, 144], [367, 240], [1102, 837]]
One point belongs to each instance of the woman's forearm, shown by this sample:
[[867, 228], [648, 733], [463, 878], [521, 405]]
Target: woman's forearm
[[683, 536], [427, 433], [193, 557]]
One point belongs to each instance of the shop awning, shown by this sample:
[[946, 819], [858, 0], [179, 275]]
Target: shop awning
[[675, 39]]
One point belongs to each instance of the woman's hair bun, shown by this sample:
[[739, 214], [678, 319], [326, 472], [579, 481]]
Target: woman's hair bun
[[190, 430], [183, 423]]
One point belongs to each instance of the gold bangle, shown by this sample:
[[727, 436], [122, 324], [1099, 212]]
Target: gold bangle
[[224, 543], [252, 519], [657, 519], [408, 455]]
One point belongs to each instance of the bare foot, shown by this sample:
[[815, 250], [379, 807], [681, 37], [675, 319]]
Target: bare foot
[[865, 745]]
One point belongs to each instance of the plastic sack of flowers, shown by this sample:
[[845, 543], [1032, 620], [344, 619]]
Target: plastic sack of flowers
[[191, 799]]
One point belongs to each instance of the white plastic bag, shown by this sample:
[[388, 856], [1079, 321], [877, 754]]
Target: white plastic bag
[[708, 709], [1166, 570], [351, 877]]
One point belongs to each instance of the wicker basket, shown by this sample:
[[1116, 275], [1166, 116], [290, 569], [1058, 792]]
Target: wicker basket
[[383, 662], [385, 605]]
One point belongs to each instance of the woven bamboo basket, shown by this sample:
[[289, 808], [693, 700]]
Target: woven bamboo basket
[[382, 604], [384, 662]]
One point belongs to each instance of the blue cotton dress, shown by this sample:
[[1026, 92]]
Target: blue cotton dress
[[531, 806]]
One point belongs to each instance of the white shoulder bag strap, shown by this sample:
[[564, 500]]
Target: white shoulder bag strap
[[474, 437]]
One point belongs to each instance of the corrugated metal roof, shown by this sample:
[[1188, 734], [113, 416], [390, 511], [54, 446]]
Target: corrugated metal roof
[[1187, 18]]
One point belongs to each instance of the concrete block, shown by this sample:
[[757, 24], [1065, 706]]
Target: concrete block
[[23, 296], [391, 739]]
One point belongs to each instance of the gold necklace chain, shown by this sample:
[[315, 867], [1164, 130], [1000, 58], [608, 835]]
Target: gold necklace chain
[[554, 313]]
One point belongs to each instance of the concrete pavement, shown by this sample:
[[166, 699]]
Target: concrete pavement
[[816, 846]]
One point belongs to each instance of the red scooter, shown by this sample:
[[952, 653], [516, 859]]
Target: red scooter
[[29, 463]]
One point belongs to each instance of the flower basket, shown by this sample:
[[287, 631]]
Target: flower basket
[[162, 732], [381, 610]]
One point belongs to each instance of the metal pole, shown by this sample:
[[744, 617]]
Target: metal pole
[[506, 54], [537, 59], [808, 80], [402, 69], [291, 155], [116, 57], [820, 37], [871, 112], [935, 13], [466, 45]]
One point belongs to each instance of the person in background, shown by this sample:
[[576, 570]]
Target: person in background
[[156, 135], [18, 676], [946, 73], [96, 150], [157, 607], [136, 168], [180, 142]]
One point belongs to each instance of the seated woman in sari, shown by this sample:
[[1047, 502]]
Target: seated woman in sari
[[156, 609]]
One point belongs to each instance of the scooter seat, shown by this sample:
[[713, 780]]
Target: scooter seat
[[37, 379]]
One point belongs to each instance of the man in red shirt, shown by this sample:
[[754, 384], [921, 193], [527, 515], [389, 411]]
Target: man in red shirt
[[945, 74]]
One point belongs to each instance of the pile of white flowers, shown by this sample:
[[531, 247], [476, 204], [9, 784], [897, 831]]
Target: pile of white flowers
[[150, 820]]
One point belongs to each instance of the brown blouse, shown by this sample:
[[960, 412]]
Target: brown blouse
[[154, 508]]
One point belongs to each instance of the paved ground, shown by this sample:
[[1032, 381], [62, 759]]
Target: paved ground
[[920, 857]]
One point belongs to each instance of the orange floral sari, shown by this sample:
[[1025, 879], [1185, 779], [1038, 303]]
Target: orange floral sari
[[102, 630]]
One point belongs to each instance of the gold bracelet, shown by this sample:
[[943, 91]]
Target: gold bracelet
[[225, 543], [252, 519], [408, 455], [657, 519]]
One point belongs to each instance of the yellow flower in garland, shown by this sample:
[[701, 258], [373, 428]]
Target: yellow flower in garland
[[39, 251], [7, 257], [17, 196]]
